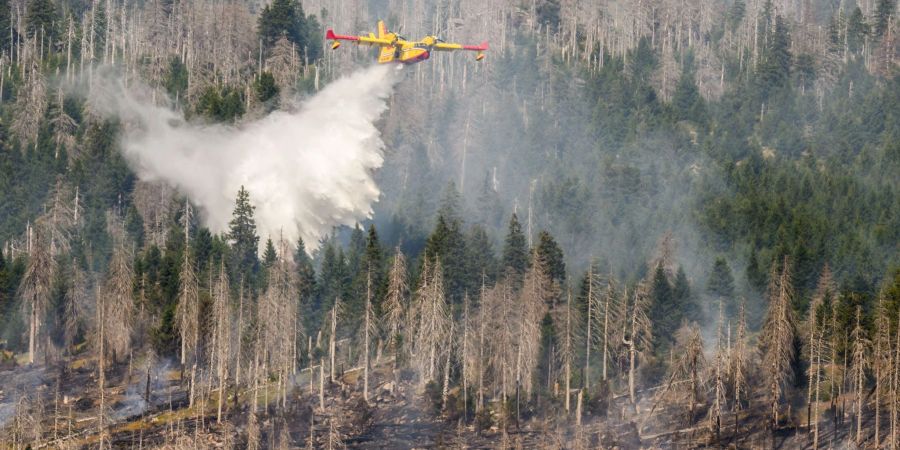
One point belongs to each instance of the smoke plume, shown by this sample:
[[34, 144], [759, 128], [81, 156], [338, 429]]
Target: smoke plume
[[306, 170]]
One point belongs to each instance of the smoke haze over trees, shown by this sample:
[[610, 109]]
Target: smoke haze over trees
[[633, 224]]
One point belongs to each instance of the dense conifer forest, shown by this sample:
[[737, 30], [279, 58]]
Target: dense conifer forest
[[634, 224]]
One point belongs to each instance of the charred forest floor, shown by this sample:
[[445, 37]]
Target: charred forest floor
[[58, 407]]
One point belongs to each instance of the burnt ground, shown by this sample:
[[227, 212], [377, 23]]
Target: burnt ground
[[62, 404]]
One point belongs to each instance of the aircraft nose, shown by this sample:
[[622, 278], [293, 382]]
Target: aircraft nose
[[425, 55]]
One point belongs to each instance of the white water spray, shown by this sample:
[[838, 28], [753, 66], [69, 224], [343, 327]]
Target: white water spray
[[306, 170]]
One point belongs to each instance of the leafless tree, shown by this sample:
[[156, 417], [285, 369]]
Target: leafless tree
[[537, 291], [187, 312], [638, 337], [859, 365], [431, 318], [882, 361], [394, 305], [739, 360], [279, 307], [563, 315], [690, 365], [368, 330], [220, 350], [777, 338], [34, 290], [77, 305], [717, 405], [117, 291]]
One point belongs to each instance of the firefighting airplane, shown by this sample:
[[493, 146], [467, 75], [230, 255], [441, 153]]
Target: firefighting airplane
[[394, 48]]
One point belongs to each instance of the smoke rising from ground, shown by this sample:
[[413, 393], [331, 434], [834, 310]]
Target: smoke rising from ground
[[306, 170]]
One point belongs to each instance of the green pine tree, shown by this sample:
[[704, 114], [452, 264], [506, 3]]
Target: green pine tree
[[269, 254], [884, 11], [265, 87], [242, 235], [721, 282], [515, 248], [306, 273], [665, 313], [552, 255], [42, 17]]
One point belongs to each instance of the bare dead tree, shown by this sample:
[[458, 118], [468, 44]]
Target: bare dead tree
[[498, 338], [220, 350], [718, 376], [859, 365], [688, 367], [895, 388], [117, 290], [566, 336], [76, 305], [394, 305], [369, 329], [592, 301], [814, 331], [638, 338], [881, 362], [279, 305], [776, 340], [187, 312], [432, 322], [34, 290], [739, 360], [537, 290]]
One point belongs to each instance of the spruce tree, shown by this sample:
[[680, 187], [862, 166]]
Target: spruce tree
[[242, 235], [720, 286], [306, 273], [6, 41], [756, 274], [269, 255], [286, 18], [857, 30], [481, 262], [884, 11], [515, 248], [684, 299], [373, 266], [551, 254], [447, 244], [665, 314], [42, 17]]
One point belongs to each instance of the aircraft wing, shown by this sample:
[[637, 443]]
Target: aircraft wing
[[367, 40], [449, 47]]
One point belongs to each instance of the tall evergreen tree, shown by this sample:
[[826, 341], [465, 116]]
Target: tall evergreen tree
[[481, 262], [6, 40], [756, 274], [884, 11], [269, 254], [286, 18], [551, 254], [857, 30], [515, 248], [306, 273], [446, 243], [42, 17], [242, 235], [665, 313], [684, 298], [774, 68], [686, 100], [720, 286], [373, 266]]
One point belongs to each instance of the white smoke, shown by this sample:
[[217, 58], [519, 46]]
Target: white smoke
[[306, 170]]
